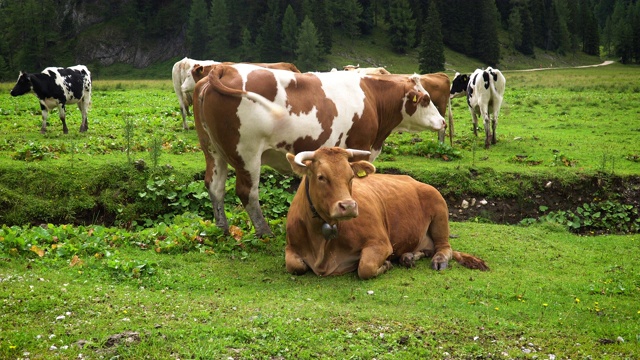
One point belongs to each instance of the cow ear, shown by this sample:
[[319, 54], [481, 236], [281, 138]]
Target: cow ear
[[415, 96], [300, 170], [362, 168]]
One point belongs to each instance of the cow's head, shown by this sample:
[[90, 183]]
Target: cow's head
[[22, 86], [329, 179], [418, 112], [197, 72], [459, 85]]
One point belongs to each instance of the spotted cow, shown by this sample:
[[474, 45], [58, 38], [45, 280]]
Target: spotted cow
[[57, 87], [485, 91]]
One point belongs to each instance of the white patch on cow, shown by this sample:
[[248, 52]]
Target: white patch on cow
[[425, 118], [343, 88]]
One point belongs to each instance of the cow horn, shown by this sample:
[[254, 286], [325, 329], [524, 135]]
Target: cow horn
[[302, 156], [354, 152]]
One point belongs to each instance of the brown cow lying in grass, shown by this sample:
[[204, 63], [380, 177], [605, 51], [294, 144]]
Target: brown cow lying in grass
[[343, 219]]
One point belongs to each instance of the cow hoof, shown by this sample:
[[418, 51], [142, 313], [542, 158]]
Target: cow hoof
[[406, 260], [438, 264]]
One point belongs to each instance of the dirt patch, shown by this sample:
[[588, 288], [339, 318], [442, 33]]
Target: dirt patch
[[550, 196]]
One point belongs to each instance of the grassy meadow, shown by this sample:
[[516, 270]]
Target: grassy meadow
[[155, 286]]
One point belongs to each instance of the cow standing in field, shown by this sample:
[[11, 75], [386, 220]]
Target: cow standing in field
[[345, 218], [180, 73], [438, 86], [485, 92], [247, 116], [56, 87]]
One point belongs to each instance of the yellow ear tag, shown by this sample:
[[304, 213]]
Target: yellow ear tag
[[415, 98], [362, 173], [200, 70]]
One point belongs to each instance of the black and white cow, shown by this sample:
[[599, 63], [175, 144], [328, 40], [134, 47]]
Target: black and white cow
[[484, 90], [57, 87]]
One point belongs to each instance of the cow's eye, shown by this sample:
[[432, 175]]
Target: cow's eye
[[322, 178]]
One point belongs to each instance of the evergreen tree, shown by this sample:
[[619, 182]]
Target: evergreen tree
[[347, 16], [527, 38], [590, 32], [540, 26], [247, 52], [515, 27], [431, 58], [318, 12], [219, 30], [366, 20], [289, 34], [269, 41], [308, 46], [486, 23], [401, 26], [197, 30]]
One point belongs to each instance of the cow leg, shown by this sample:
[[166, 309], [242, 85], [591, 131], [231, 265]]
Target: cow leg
[[185, 100], [475, 121], [373, 260], [494, 125], [63, 115], [45, 117], [247, 190], [295, 264], [215, 179], [409, 259], [439, 233], [84, 126], [488, 139]]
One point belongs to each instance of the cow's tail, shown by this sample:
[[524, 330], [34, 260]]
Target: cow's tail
[[217, 73], [470, 261], [450, 123]]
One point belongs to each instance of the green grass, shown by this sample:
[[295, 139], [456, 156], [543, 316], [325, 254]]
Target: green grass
[[549, 292]]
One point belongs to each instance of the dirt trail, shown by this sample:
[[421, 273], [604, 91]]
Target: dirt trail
[[608, 62]]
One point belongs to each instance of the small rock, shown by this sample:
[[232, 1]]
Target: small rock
[[370, 292], [483, 202], [473, 201], [465, 204], [620, 339], [548, 184]]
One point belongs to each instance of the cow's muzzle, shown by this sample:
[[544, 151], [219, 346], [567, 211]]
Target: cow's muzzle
[[344, 210]]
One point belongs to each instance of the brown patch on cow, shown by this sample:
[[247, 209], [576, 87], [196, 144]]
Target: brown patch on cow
[[303, 95], [262, 82], [388, 90]]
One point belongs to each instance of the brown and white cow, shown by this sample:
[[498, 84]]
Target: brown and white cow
[[247, 116], [438, 86], [180, 72], [367, 71], [345, 218]]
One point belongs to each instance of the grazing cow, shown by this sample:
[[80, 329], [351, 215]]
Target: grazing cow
[[56, 86], [438, 87], [484, 90], [367, 71], [180, 73], [247, 116], [345, 218]]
